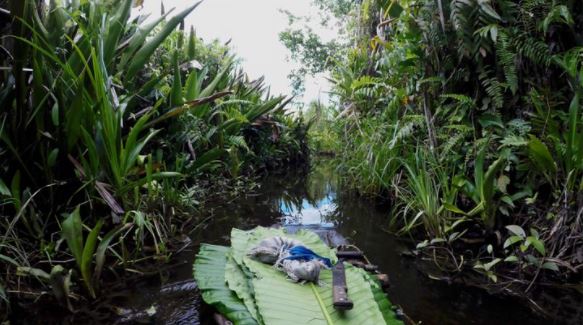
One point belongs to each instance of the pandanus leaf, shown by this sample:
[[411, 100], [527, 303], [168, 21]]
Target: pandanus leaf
[[4, 189], [176, 92], [143, 54], [191, 51], [188, 105], [133, 146], [193, 85], [87, 257], [133, 152], [489, 184], [208, 159], [104, 245], [72, 231], [138, 39], [574, 156], [115, 29], [213, 84], [260, 110], [541, 156], [3, 295]]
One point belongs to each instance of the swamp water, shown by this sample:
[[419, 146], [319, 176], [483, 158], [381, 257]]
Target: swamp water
[[311, 199]]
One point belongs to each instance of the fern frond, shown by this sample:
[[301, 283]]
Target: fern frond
[[461, 99], [493, 88], [405, 131], [238, 141], [507, 58], [534, 49]]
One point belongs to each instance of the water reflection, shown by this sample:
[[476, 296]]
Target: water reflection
[[313, 198], [317, 204]]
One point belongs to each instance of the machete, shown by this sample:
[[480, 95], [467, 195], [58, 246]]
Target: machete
[[339, 288]]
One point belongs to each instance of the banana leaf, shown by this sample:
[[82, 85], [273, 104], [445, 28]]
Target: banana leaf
[[239, 280], [283, 302], [247, 291], [209, 272], [384, 304], [280, 301]]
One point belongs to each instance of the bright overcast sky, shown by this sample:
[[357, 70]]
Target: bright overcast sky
[[253, 27]]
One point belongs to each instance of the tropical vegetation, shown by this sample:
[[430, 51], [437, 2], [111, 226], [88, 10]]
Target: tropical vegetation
[[466, 116], [113, 129]]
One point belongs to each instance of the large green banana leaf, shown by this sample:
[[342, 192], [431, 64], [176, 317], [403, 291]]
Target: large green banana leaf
[[209, 272], [239, 281], [250, 292], [384, 304], [280, 301]]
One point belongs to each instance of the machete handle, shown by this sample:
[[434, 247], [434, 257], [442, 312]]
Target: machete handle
[[339, 289], [349, 254]]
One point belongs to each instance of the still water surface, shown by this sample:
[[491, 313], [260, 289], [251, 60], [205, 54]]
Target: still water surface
[[312, 199]]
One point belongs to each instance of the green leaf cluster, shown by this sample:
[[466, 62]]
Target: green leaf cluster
[[250, 292]]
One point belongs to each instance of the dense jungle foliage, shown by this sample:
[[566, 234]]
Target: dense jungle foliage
[[466, 115], [113, 127]]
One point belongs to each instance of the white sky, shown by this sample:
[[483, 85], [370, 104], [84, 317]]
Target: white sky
[[253, 27]]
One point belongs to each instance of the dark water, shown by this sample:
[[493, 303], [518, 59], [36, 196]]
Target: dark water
[[312, 199]]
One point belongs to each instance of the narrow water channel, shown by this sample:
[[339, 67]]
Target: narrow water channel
[[312, 199]]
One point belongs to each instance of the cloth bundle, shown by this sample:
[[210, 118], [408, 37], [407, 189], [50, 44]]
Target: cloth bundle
[[290, 256]]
